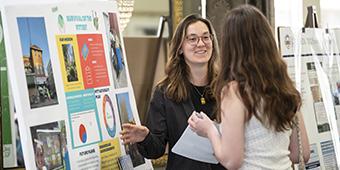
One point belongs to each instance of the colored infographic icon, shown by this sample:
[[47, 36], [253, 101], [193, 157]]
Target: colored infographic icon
[[85, 51], [82, 133], [109, 116]]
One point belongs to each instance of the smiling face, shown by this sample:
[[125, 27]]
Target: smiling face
[[197, 45]]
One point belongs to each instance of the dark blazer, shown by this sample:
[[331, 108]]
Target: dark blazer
[[167, 121]]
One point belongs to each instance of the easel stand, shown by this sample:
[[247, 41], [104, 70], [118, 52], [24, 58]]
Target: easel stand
[[311, 20], [150, 79]]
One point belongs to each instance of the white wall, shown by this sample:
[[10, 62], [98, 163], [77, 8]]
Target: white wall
[[146, 15], [330, 13], [288, 13]]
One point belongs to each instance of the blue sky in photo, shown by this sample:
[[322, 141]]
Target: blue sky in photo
[[125, 97], [32, 31]]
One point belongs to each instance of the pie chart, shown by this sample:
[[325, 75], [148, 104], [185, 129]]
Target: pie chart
[[82, 133], [109, 116]]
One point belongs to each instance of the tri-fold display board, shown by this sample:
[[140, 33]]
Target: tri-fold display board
[[70, 83]]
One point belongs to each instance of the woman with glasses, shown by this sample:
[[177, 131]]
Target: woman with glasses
[[257, 101], [185, 88]]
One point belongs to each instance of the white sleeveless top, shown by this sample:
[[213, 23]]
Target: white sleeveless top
[[265, 148]]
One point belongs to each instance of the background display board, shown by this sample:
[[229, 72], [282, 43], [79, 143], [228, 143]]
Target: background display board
[[71, 84], [312, 57]]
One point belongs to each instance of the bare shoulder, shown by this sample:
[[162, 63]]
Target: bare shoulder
[[230, 90], [231, 102]]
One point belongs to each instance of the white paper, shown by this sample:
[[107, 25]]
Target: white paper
[[195, 147]]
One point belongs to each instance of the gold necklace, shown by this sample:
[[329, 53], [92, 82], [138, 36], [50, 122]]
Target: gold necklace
[[202, 99]]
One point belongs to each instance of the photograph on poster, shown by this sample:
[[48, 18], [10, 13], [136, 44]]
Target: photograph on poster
[[336, 94], [70, 63], [288, 41], [50, 146], [126, 116], [319, 108], [37, 63], [115, 50]]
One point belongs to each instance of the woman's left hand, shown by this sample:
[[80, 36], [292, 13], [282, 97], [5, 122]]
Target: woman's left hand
[[201, 124]]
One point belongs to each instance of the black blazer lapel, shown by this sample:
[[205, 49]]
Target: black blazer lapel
[[188, 107]]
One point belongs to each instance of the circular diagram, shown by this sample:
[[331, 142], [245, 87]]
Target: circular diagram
[[109, 116], [82, 133]]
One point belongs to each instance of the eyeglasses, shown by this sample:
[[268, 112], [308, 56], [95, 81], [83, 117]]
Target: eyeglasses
[[194, 39]]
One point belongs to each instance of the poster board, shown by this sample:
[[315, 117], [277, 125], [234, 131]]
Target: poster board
[[319, 85], [7, 110], [71, 84]]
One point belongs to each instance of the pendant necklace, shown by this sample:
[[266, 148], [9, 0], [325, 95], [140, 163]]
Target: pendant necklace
[[202, 99]]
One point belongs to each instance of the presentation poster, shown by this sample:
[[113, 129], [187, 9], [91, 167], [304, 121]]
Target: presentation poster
[[320, 89], [71, 85]]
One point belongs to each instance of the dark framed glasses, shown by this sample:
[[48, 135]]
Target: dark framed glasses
[[194, 39]]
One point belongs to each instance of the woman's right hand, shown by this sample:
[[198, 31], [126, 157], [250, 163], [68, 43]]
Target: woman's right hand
[[132, 133], [201, 124]]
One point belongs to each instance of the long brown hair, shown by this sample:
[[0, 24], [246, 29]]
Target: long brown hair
[[250, 57], [176, 81]]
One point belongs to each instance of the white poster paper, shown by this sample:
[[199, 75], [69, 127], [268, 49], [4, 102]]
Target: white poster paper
[[69, 70], [320, 79]]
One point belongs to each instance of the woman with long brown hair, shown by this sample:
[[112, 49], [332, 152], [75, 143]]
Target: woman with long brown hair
[[257, 101], [186, 87]]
